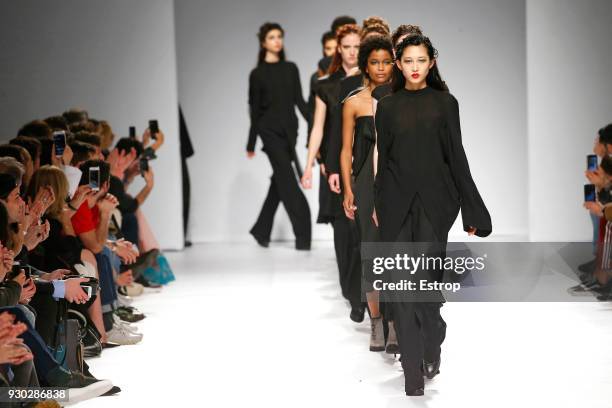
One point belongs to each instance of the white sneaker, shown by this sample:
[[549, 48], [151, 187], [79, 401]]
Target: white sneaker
[[129, 327], [124, 300], [76, 395], [120, 335]]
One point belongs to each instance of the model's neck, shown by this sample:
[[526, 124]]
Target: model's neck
[[272, 57], [350, 69], [415, 87]]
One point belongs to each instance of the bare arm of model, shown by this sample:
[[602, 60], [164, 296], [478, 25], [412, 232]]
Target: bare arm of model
[[316, 136], [346, 155]]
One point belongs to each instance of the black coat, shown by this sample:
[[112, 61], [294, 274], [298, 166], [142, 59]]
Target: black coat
[[420, 152]]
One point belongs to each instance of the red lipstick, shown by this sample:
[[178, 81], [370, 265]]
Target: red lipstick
[[415, 75]]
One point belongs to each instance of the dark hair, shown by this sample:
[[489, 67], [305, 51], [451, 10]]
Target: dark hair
[[36, 129], [263, 32], [32, 145], [327, 36], [81, 152], [605, 134], [606, 164], [4, 225], [125, 144], [376, 21], [82, 127], [340, 21], [433, 79], [8, 150], [46, 151], [403, 30], [373, 43], [342, 32], [75, 115], [104, 171], [57, 122], [88, 137]]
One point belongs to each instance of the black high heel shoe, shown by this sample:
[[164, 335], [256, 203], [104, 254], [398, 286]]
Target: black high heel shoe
[[430, 370]]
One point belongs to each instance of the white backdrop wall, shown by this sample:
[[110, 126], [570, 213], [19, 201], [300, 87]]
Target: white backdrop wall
[[115, 58], [570, 98], [482, 57]]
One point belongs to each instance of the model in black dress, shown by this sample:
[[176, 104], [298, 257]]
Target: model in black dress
[[330, 210], [423, 179], [274, 92], [356, 162]]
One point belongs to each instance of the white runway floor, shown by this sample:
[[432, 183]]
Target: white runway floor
[[245, 326]]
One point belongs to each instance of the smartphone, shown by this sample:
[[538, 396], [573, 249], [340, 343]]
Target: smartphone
[[589, 192], [154, 128], [94, 178], [144, 165], [132, 132], [59, 141], [591, 162]]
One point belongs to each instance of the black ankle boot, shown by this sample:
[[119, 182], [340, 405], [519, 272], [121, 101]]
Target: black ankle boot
[[430, 370]]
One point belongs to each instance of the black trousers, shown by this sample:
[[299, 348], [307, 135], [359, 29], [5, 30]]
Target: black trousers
[[284, 188], [419, 325], [348, 258]]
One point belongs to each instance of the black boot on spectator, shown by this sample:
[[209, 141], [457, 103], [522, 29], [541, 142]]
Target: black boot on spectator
[[80, 387], [129, 314]]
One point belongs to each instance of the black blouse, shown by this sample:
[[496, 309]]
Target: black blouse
[[420, 152], [274, 91]]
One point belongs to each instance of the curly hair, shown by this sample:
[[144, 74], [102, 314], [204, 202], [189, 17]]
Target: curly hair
[[375, 20], [342, 32], [405, 29], [373, 43], [261, 35], [433, 79], [373, 29]]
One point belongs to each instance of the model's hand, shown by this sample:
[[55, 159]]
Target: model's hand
[[596, 177], [334, 182], [307, 178], [374, 217], [594, 207], [349, 205], [250, 155], [322, 167], [471, 231]]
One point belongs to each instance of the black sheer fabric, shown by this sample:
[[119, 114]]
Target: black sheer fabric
[[420, 152], [363, 140], [274, 91]]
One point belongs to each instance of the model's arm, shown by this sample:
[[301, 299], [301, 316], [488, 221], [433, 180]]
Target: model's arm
[[316, 135], [346, 156], [375, 153], [299, 97], [255, 110], [473, 210]]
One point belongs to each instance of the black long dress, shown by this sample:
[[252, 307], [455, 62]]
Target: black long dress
[[274, 92], [423, 179]]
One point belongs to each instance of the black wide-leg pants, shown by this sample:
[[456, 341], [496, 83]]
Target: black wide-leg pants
[[284, 188], [348, 258], [419, 325]]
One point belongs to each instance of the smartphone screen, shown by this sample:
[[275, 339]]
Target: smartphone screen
[[591, 162], [132, 132], [154, 128], [59, 141], [589, 192], [94, 178]]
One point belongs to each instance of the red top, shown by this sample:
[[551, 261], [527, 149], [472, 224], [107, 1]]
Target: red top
[[85, 219]]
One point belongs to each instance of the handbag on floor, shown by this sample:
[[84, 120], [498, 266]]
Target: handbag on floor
[[68, 343]]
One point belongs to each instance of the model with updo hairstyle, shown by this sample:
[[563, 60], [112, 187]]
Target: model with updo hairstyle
[[404, 30], [357, 169], [376, 21], [434, 79], [261, 35], [422, 183], [341, 33], [330, 204], [274, 92]]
